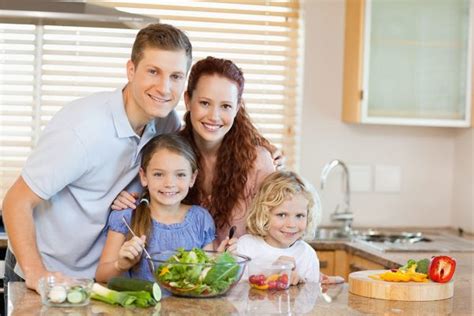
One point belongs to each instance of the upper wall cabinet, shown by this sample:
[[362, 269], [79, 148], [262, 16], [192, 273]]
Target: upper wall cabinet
[[409, 62]]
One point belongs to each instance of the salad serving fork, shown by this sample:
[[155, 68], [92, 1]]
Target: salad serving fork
[[147, 255]]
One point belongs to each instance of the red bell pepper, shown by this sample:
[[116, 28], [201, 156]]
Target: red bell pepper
[[442, 268]]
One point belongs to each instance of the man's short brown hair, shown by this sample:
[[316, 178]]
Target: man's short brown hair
[[162, 36]]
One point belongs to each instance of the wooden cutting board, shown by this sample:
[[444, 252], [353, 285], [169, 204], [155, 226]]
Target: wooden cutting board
[[361, 284]]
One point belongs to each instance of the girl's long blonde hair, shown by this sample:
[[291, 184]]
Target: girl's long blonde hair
[[278, 187]]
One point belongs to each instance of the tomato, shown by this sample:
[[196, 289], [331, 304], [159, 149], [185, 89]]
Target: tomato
[[282, 286], [253, 279], [257, 279], [441, 269], [284, 279], [272, 285]]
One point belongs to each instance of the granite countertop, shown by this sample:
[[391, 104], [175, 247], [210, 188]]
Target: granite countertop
[[305, 299]]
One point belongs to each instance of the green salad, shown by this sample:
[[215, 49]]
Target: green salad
[[194, 273]]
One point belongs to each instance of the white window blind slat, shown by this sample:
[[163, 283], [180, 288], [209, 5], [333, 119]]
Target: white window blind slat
[[42, 68]]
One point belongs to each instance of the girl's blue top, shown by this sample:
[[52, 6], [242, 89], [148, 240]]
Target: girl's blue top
[[197, 230]]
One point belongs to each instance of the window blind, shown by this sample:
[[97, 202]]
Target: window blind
[[43, 67]]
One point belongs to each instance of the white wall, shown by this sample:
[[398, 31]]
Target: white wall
[[463, 189], [426, 156]]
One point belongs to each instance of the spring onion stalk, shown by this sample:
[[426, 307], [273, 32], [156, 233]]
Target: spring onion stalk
[[101, 293]]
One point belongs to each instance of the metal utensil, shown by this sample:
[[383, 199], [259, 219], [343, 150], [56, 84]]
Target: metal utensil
[[134, 235], [231, 234]]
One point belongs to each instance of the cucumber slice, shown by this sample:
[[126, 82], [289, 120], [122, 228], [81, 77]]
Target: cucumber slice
[[156, 292], [76, 296]]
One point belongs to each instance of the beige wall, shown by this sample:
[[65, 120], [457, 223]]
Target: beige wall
[[463, 189], [426, 156]]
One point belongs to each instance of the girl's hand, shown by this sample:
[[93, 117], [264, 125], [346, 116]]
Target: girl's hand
[[130, 253], [125, 200], [227, 244]]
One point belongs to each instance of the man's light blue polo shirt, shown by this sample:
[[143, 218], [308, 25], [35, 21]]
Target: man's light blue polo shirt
[[86, 155]]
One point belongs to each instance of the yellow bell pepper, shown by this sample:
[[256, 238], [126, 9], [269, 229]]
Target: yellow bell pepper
[[164, 271], [259, 287], [273, 277], [401, 276]]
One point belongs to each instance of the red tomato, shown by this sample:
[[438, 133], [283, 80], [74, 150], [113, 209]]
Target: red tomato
[[257, 279], [441, 269], [253, 279], [272, 285], [284, 279], [281, 285]]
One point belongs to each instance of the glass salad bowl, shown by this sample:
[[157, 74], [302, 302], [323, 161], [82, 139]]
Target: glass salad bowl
[[65, 292], [197, 273]]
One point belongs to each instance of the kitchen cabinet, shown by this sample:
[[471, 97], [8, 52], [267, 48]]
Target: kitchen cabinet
[[334, 262], [326, 262], [409, 63], [358, 263], [342, 262]]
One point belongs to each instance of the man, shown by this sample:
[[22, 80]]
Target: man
[[56, 210]]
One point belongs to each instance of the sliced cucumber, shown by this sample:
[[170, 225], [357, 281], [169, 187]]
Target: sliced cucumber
[[156, 292], [76, 296]]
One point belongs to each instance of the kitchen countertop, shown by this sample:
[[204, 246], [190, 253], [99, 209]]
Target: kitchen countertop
[[304, 299]]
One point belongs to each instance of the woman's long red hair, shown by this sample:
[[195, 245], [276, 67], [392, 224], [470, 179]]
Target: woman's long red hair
[[236, 155]]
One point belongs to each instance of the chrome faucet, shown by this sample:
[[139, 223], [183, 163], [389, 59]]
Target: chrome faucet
[[345, 215]]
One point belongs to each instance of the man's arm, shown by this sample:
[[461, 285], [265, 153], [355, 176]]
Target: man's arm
[[18, 206]]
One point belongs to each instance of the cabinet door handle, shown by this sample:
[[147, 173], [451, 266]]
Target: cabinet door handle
[[354, 267], [323, 264]]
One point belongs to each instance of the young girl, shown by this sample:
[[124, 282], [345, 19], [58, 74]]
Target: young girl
[[280, 216], [168, 170]]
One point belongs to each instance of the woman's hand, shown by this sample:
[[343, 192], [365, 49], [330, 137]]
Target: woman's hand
[[130, 253], [227, 244], [125, 200]]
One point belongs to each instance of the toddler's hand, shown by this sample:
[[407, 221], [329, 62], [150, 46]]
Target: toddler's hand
[[125, 200], [295, 278], [130, 253], [331, 279]]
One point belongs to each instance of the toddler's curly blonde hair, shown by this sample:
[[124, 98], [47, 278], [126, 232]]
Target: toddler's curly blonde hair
[[278, 187]]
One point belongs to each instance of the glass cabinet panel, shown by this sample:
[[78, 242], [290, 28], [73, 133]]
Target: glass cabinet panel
[[417, 62]]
